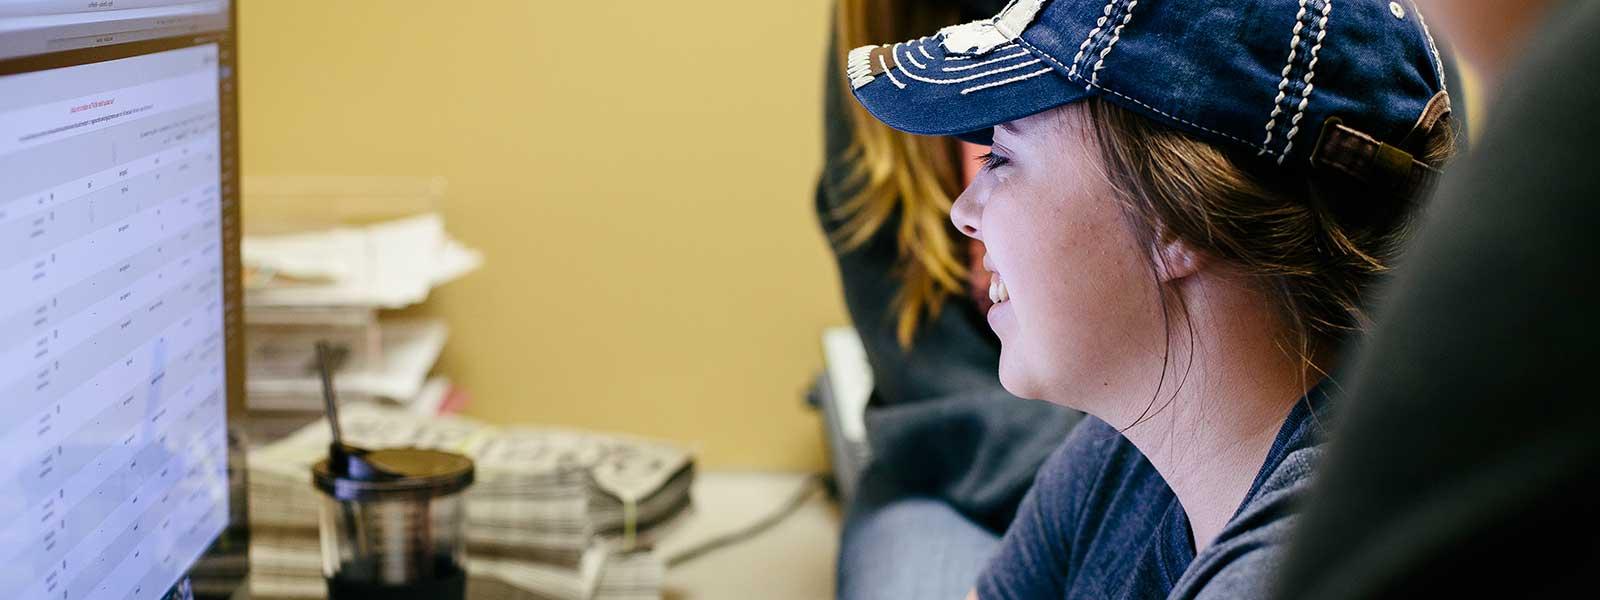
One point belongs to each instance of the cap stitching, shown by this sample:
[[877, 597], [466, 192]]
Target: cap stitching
[[982, 36], [1053, 60], [1004, 21], [1007, 81], [1438, 63], [957, 80], [890, 72], [1175, 118], [1084, 47], [1116, 35], [1311, 71], [987, 62], [914, 60], [1006, 46], [858, 66], [1283, 85]]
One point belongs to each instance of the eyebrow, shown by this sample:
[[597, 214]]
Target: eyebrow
[[1009, 128]]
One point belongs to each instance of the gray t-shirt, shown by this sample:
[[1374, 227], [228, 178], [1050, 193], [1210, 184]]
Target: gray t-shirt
[[1101, 523]]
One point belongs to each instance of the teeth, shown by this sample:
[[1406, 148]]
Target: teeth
[[997, 290]]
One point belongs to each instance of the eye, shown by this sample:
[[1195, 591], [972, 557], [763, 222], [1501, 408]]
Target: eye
[[992, 161]]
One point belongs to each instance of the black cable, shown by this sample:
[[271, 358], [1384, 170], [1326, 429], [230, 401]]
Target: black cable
[[808, 487]]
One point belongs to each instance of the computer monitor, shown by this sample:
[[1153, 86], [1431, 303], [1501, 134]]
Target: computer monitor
[[120, 354]]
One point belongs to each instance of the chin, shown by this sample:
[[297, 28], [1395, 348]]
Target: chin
[[1028, 384], [1018, 381]]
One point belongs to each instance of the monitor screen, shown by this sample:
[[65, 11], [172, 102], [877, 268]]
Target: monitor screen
[[118, 261]]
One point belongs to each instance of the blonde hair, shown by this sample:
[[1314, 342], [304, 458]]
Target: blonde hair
[[893, 174]]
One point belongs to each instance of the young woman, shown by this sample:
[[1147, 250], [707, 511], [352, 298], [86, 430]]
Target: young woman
[[922, 523], [1186, 208]]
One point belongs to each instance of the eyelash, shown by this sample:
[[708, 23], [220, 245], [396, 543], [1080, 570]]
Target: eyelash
[[992, 161]]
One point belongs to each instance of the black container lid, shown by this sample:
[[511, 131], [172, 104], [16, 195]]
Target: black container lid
[[396, 473]]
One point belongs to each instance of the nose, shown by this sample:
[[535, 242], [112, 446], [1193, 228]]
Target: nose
[[967, 213]]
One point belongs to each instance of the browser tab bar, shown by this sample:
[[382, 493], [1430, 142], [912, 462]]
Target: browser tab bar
[[31, 8], [34, 27]]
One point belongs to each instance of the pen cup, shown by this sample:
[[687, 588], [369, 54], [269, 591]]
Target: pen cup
[[393, 524]]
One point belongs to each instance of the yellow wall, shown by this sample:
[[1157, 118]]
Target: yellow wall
[[638, 173]]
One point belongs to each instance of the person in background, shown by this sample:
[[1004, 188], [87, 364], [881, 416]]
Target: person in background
[[1466, 462], [953, 452], [1187, 207]]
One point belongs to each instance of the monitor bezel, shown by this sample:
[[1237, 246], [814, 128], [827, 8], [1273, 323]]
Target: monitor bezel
[[231, 548]]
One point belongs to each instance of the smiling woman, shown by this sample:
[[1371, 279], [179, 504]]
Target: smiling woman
[[1056, 240], [1169, 265], [951, 452], [1100, 192], [1196, 286]]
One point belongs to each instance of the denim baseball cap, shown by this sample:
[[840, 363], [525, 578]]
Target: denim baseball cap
[[1295, 81]]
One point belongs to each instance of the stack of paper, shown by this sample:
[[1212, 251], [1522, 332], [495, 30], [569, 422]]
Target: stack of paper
[[388, 265], [330, 285], [410, 348], [531, 514], [637, 575]]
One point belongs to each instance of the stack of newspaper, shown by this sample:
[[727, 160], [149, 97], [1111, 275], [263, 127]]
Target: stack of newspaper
[[324, 262], [555, 514]]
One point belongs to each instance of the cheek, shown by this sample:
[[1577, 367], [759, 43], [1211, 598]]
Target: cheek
[[1083, 294]]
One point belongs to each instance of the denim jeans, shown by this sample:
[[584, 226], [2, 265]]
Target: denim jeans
[[910, 547]]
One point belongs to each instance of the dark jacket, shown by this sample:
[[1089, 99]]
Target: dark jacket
[[1465, 464]]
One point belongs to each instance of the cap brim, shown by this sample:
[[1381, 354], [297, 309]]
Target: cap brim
[[917, 87]]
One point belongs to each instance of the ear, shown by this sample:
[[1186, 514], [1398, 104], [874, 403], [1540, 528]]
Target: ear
[[1175, 259]]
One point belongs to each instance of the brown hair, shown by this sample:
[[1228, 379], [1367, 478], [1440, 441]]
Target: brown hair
[[1316, 244], [894, 174]]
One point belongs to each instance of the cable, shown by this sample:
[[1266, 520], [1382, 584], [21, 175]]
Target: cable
[[808, 487]]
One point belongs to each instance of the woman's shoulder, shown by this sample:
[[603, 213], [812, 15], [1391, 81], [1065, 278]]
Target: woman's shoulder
[[1087, 503], [1241, 563], [1093, 516], [1087, 448], [1252, 547], [1095, 467]]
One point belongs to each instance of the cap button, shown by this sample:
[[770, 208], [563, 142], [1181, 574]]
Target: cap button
[[1398, 11]]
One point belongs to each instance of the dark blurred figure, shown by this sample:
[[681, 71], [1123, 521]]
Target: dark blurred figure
[[953, 452], [1465, 463]]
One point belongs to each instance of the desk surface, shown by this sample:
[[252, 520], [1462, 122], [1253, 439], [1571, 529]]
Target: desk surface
[[793, 560]]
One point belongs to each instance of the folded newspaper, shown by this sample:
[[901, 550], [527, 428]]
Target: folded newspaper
[[555, 513]]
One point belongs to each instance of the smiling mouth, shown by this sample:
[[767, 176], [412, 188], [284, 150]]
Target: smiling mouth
[[997, 286]]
